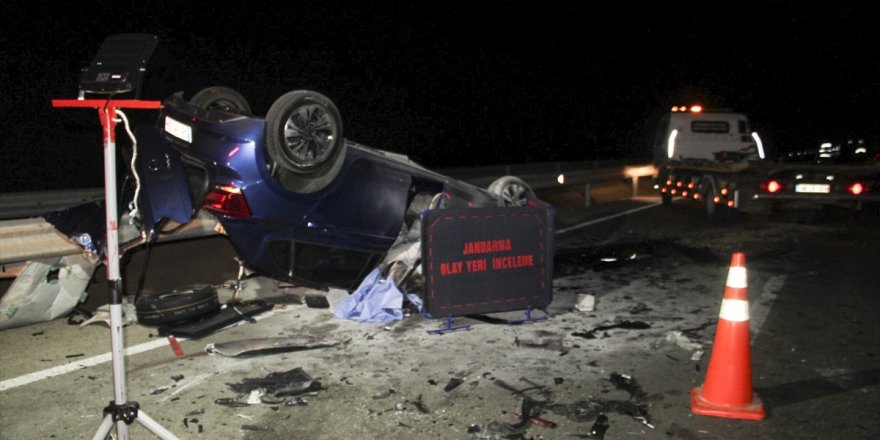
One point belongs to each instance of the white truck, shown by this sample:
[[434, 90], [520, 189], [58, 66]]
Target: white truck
[[715, 158], [708, 156]]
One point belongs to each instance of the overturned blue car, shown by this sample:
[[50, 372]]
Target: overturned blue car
[[297, 200]]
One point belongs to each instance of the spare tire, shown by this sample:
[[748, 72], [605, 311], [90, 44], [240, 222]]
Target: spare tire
[[221, 98], [177, 305]]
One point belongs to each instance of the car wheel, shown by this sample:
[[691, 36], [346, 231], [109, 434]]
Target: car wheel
[[221, 98], [666, 198], [176, 305], [511, 191], [304, 134]]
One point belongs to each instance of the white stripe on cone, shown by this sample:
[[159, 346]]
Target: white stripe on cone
[[734, 310], [736, 278]]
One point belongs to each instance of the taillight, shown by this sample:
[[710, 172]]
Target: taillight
[[855, 188], [228, 201], [772, 186]]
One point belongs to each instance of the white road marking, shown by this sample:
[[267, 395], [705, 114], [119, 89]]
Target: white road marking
[[37, 376], [78, 365], [760, 306], [600, 220]]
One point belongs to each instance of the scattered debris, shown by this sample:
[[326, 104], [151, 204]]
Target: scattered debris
[[679, 339], [453, 384], [639, 309], [537, 421], [586, 303], [627, 383], [230, 402], [697, 356], [540, 389], [693, 332], [298, 401], [385, 394], [277, 386], [587, 410], [600, 426], [102, 315], [177, 377], [420, 405], [497, 429], [315, 301], [255, 396], [196, 412], [269, 345], [627, 325], [158, 391], [257, 428], [175, 346]]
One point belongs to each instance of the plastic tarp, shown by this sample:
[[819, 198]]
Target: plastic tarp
[[46, 290], [376, 300]]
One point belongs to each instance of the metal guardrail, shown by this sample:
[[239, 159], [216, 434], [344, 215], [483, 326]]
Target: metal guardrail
[[23, 239], [32, 203]]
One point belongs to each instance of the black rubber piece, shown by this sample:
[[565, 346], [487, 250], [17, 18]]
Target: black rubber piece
[[177, 305], [200, 328]]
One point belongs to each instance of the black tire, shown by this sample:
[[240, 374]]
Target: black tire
[[304, 134], [221, 98], [511, 191], [666, 198], [176, 305]]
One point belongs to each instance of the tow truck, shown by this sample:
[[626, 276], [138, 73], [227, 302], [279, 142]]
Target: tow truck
[[714, 157]]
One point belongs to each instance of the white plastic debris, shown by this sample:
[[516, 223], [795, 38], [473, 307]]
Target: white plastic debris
[[677, 338], [586, 303], [255, 396]]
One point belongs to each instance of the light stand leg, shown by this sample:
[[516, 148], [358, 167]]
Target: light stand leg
[[154, 427], [104, 430], [120, 410]]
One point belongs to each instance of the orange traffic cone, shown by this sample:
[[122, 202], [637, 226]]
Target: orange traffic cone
[[727, 390]]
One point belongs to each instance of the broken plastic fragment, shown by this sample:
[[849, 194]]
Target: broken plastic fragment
[[226, 401], [288, 383], [254, 397], [679, 339], [627, 383], [453, 384], [537, 421], [586, 303], [421, 405], [299, 401], [599, 427], [269, 345], [256, 428]]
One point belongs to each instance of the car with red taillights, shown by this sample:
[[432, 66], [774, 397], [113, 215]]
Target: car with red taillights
[[845, 174]]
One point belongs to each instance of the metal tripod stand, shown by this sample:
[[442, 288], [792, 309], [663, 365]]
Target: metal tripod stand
[[120, 412]]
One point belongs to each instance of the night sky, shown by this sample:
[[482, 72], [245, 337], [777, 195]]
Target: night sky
[[454, 83]]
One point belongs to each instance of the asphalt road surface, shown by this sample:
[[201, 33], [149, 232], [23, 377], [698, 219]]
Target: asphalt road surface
[[657, 275]]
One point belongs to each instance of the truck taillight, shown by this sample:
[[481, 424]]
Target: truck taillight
[[855, 188], [228, 201], [772, 186]]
